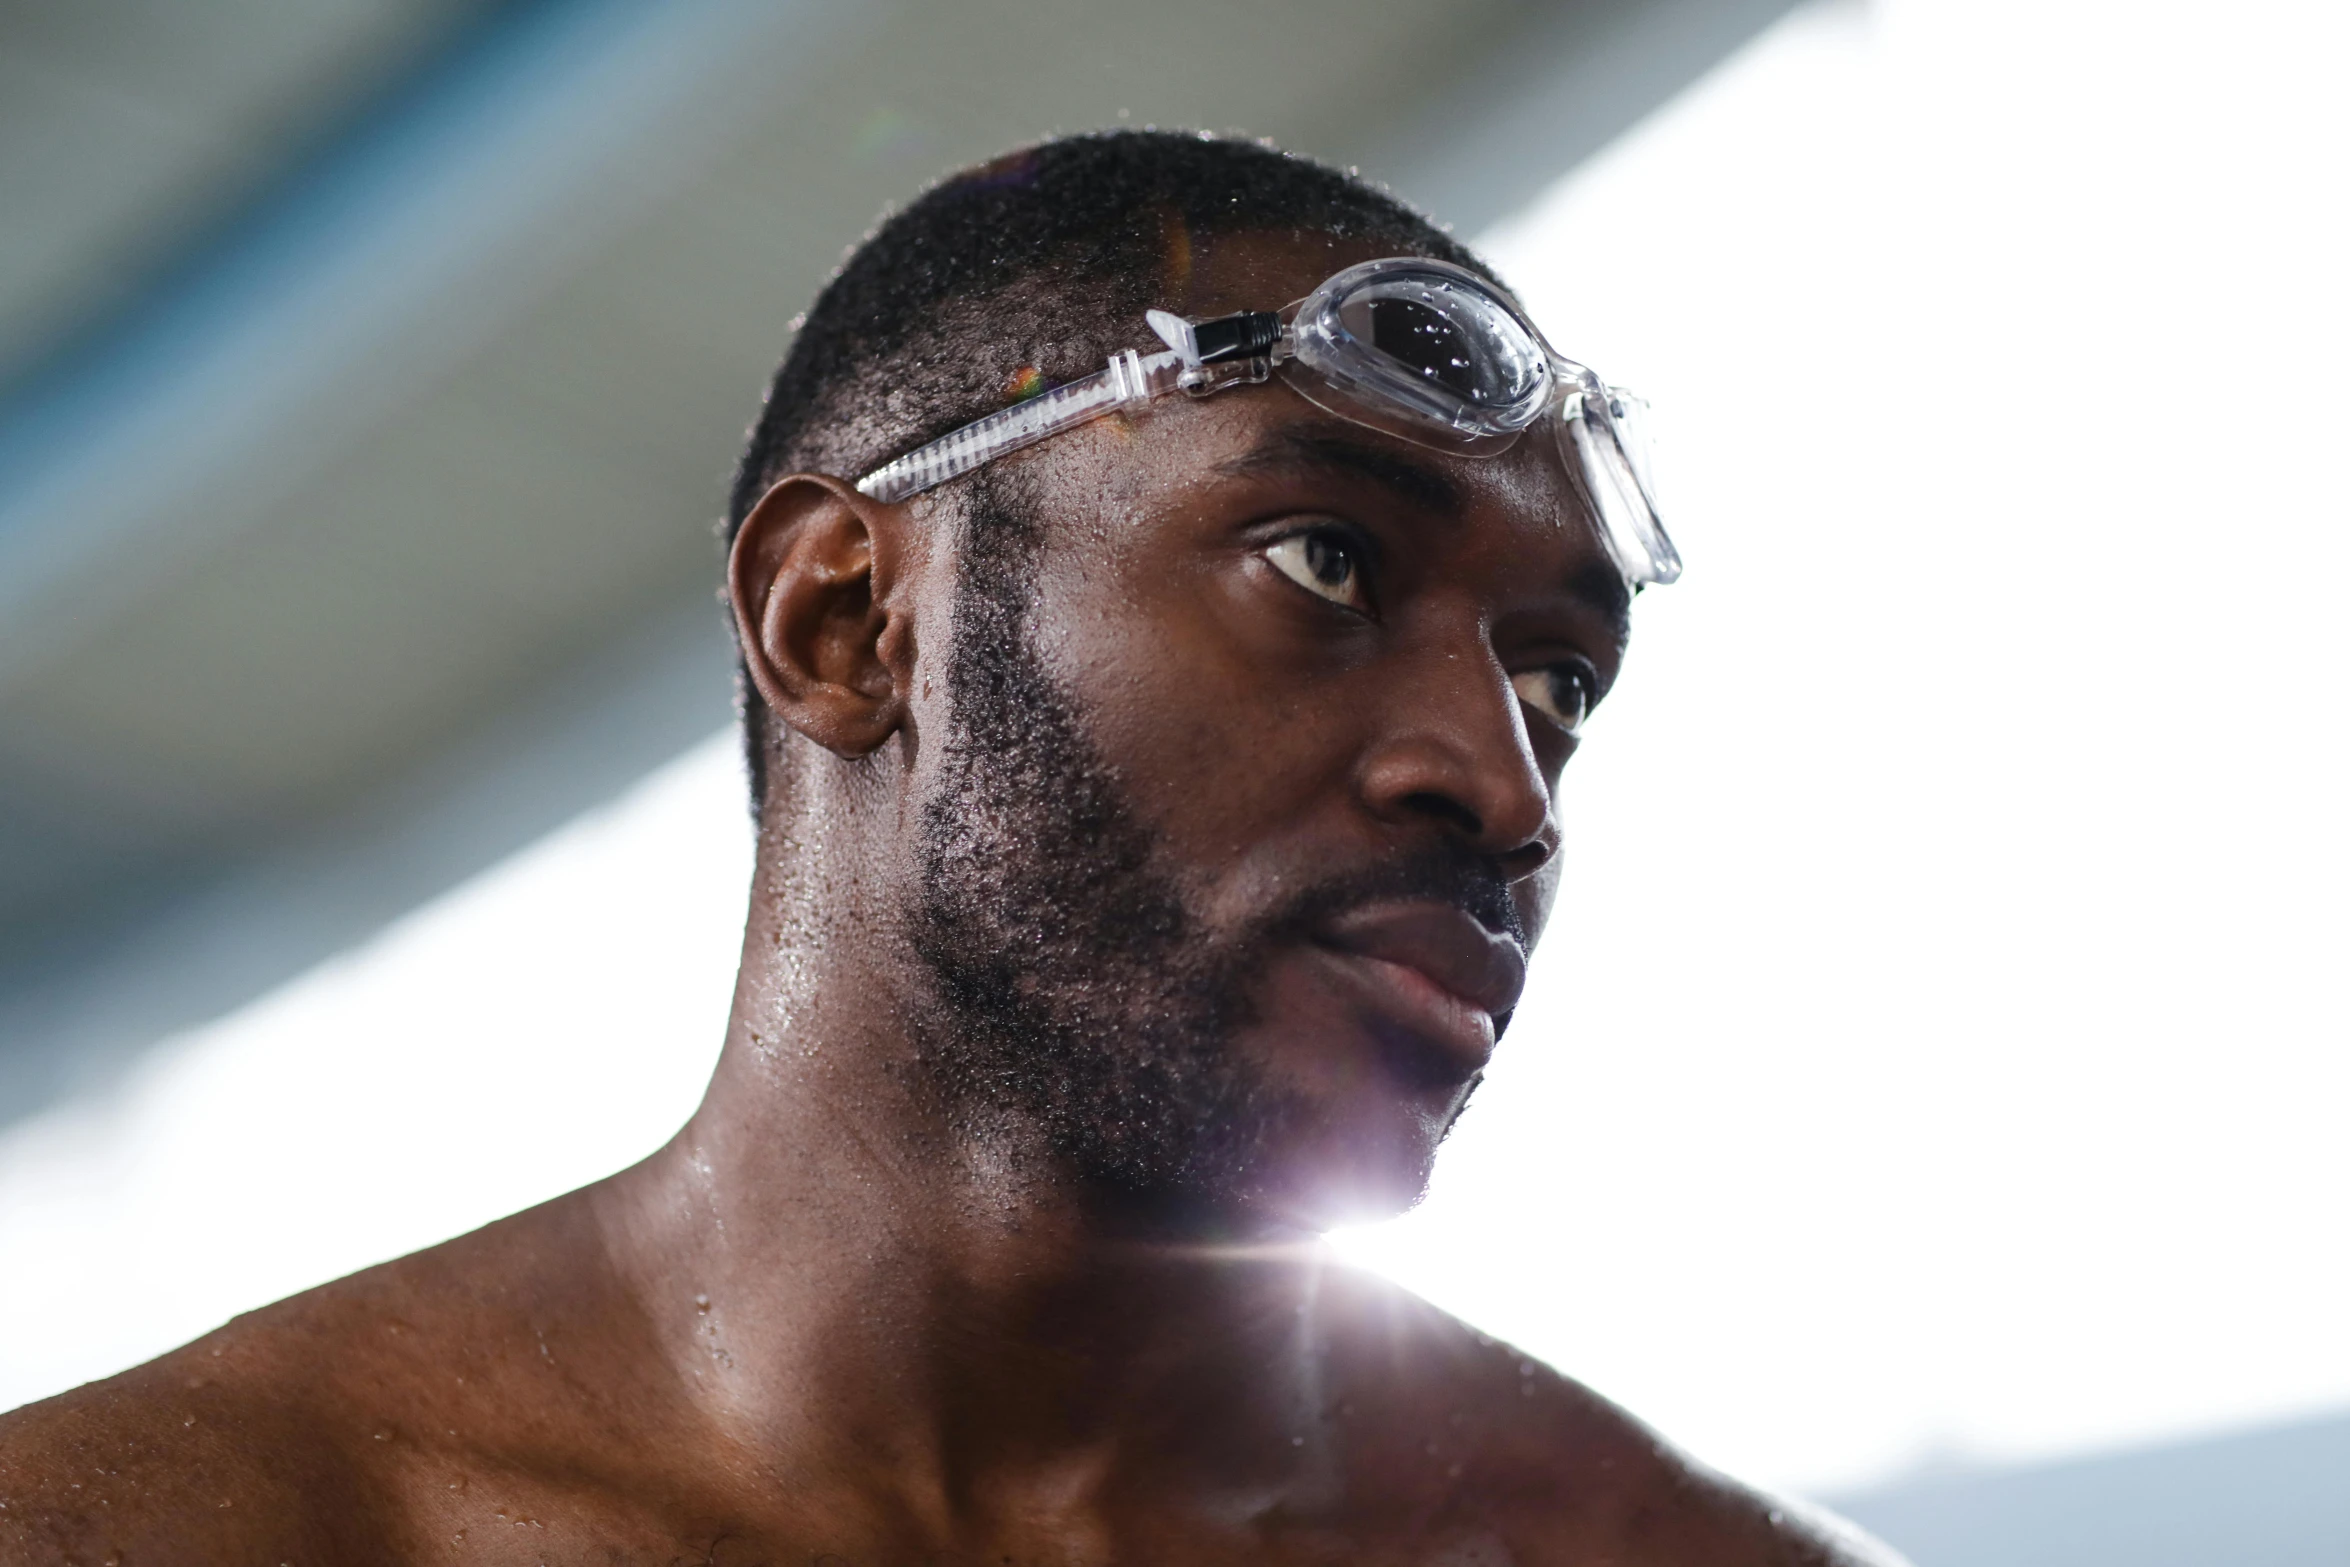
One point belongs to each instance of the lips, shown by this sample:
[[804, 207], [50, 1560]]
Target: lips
[[1450, 965]]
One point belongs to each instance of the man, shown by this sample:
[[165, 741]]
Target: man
[[1154, 770]]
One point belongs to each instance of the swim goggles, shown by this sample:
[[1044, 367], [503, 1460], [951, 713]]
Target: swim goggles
[[1415, 348]]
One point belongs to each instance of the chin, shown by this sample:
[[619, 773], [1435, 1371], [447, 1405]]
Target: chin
[[1345, 1210], [1362, 1176], [1369, 1155], [1304, 1184], [1370, 1104]]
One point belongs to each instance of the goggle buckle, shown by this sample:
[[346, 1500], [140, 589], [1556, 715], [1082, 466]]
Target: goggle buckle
[[1206, 380]]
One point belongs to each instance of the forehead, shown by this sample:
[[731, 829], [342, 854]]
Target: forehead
[[1257, 270]]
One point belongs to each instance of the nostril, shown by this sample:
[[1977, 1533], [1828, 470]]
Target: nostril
[[1528, 858], [1446, 809]]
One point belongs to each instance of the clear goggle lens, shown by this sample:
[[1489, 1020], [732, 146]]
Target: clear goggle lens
[[1433, 354], [1421, 350]]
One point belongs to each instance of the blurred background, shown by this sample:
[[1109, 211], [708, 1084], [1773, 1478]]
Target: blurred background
[[1931, 1095]]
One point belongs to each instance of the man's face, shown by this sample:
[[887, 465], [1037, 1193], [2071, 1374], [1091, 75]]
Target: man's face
[[1242, 823]]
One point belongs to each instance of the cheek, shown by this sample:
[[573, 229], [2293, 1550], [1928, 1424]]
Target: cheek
[[1218, 740]]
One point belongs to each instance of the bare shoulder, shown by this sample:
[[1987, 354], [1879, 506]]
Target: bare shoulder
[[1536, 1468], [306, 1431], [220, 1451], [1661, 1505]]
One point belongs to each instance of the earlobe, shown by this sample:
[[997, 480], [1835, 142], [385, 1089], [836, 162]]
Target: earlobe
[[806, 582]]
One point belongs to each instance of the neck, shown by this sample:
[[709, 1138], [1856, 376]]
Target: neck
[[835, 1262]]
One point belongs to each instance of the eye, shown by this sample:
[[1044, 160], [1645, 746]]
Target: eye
[[1326, 563], [1562, 693]]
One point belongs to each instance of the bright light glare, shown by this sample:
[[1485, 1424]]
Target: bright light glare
[[1939, 1046], [1940, 1040]]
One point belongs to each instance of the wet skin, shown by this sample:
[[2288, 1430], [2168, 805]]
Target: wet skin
[[830, 1322]]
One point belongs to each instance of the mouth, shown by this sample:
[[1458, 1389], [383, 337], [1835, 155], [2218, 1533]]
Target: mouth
[[1434, 975]]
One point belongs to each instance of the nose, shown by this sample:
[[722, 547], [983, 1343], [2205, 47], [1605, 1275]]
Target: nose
[[1451, 751]]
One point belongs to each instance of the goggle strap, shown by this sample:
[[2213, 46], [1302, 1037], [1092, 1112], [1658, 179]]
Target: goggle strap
[[1130, 380]]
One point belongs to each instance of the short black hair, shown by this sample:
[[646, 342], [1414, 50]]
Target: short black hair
[[1018, 274]]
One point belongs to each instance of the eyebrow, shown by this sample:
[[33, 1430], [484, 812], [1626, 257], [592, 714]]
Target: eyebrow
[[1602, 587], [1324, 449]]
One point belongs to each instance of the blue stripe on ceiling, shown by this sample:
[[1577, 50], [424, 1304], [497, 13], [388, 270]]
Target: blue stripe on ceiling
[[206, 272], [362, 277]]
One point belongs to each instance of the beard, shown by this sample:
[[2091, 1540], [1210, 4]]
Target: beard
[[1080, 996]]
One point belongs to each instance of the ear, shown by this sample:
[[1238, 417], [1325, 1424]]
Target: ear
[[808, 594]]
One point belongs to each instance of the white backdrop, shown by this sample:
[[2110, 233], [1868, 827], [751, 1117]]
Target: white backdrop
[[1939, 1052]]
